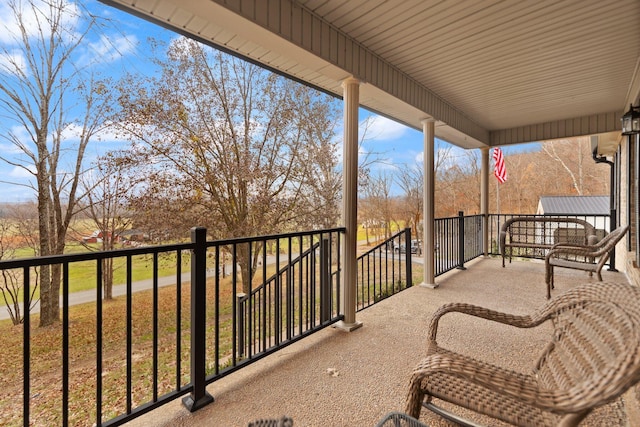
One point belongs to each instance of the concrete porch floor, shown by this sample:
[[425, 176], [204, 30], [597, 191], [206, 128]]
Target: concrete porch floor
[[335, 378]]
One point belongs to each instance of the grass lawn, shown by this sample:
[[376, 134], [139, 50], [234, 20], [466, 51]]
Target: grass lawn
[[82, 275]]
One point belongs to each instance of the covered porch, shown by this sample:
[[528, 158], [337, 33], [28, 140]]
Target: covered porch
[[353, 379], [478, 77]]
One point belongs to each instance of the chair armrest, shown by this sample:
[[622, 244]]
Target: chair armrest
[[576, 246], [519, 386], [474, 310], [585, 251], [592, 240]]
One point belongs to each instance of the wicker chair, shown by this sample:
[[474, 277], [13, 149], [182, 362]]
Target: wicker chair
[[593, 356], [589, 258]]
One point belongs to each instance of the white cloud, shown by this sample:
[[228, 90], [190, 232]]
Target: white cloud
[[19, 172], [36, 18], [382, 129], [109, 48], [71, 133], [6, 149]]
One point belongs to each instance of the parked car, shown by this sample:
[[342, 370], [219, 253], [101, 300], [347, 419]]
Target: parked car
[[416, 247]]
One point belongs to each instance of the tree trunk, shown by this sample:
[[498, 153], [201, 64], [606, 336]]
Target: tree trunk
[[47, 316], [107, 278]]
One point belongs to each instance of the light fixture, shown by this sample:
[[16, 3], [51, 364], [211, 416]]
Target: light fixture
[[631, 121]]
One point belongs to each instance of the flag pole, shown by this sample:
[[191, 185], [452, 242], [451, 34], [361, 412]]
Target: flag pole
[[498, 197]]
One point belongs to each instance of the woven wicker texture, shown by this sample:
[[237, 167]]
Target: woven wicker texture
[[399, 419], [593, 356], [589, 258], [531, 237], [272, 422]]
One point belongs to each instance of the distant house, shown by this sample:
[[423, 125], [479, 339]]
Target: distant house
[[591, 208], [95, 237]]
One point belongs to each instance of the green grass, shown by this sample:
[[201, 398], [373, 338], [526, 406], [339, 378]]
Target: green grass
[[82, 275]]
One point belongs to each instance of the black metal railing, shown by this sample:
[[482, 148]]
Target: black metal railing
[[300, 297], [204, 318], [151, 347], [457, 240], [385, 269]]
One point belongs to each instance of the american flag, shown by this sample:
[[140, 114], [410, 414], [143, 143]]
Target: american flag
[[500, 171]]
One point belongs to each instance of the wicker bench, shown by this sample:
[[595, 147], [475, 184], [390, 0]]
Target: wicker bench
[[592, 356], [532, 237]]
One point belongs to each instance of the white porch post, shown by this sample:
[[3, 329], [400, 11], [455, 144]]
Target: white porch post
[[428, 129], [351, 94], [484, 199]]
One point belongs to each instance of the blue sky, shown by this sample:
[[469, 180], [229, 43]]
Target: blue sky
[[122, 45]]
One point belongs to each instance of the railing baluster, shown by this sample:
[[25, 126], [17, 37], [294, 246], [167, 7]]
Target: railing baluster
[[253, 306], [313, 284], [216, 279], [26, 349], [155, 326], [309, 289], [179, 321], [65, 344], [265, 308], [325, 290], [408, 262], [278, 297], [461, 241], [129, 297], [289, 290], [240, 299], [235, 308], [249, 319], [301, 270], [99, 342]]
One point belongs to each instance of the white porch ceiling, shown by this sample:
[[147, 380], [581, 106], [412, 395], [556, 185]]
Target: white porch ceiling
[[491, 72]]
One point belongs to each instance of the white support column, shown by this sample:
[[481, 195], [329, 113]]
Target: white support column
[[351, 94], [484, 199], [428, 128]]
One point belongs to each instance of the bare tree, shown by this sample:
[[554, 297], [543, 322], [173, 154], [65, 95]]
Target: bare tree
[[107, 188], [575, 164], [11, 280], [229, 141], [524, 186], [457, 183], [41, 85], [411, 180], [378, 205], [25, 223]]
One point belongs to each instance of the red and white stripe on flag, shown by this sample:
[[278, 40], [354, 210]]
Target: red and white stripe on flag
[[500, 171]]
